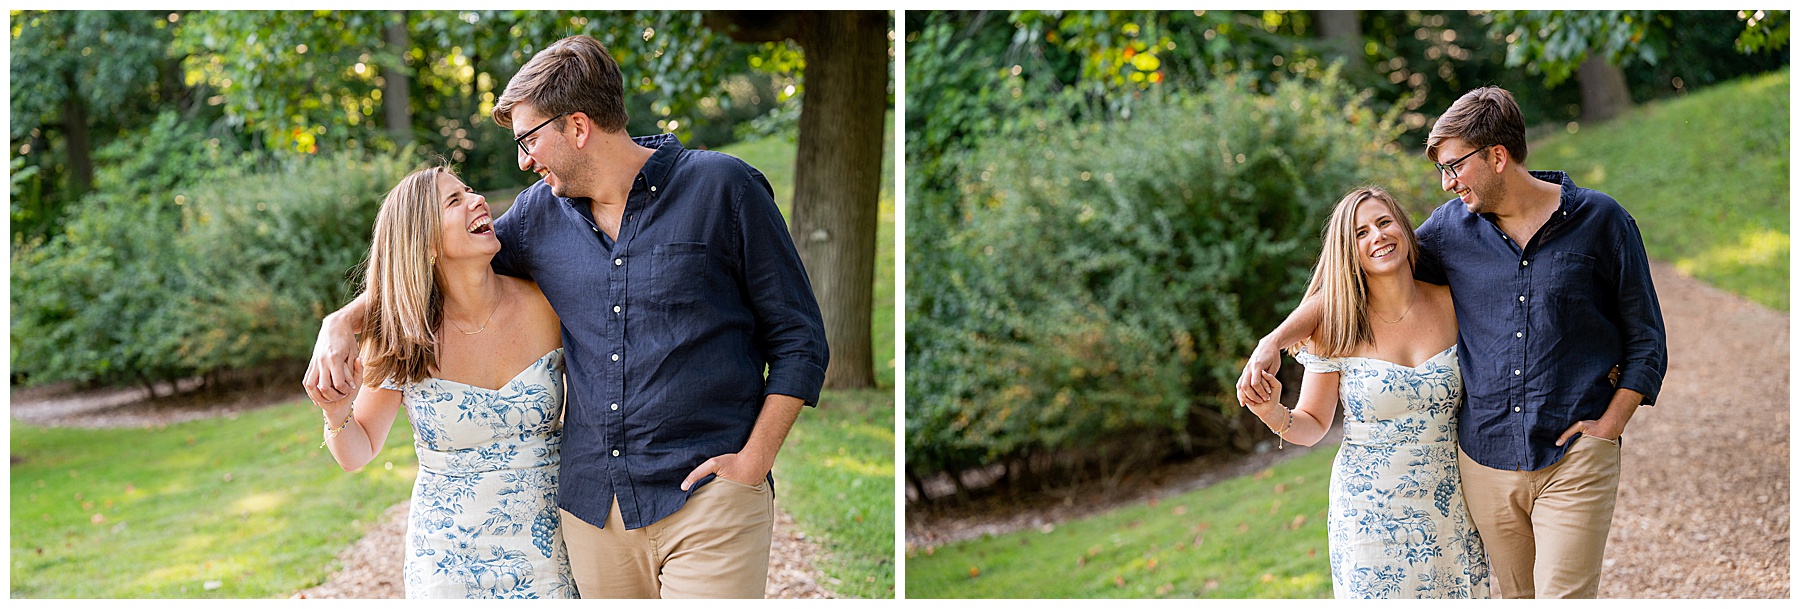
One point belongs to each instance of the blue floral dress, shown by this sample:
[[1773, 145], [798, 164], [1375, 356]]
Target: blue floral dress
[[1397, 522], [483, 522]]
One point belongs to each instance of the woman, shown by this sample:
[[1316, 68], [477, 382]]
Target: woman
[[476, 359], [1385, 347]]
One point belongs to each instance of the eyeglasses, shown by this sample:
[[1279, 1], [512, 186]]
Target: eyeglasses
[[521, 139], [1449, 169]]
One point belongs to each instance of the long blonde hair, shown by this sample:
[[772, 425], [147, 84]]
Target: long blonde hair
[[1338, 281], [405, 304]]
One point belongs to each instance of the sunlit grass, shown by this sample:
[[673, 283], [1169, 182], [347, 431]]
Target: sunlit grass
[[1706, 177], [1259, 536], [835, 476], [248, 502]]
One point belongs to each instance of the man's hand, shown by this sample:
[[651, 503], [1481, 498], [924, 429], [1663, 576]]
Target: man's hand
[[1253, 386], [736, 467], [1589, 428], [336, 369]]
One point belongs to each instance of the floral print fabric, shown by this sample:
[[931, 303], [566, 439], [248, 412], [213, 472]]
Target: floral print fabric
[[484, 522], [1397, 522]]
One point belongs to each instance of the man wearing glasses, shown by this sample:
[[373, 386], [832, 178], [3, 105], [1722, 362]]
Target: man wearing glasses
[[678, 286], [1552, 290]]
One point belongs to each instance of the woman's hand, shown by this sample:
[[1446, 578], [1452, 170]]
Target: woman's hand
[[1273, 386]]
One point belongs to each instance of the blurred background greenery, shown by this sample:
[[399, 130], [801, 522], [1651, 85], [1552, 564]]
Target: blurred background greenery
[[1106, 208]]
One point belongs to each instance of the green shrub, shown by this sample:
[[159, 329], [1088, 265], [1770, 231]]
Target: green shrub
[[1098, 283], [154, 281]]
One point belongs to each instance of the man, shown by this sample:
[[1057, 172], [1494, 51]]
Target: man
[[1552, 290], [677, 283]]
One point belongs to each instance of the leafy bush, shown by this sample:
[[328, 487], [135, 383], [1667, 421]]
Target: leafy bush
[[153, 281], [1098, 283]]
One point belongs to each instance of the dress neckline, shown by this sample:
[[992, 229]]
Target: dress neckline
[[1428, 360], [509, 381]]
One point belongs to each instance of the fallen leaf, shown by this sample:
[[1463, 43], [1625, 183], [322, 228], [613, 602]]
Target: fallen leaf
[[1268, 578], [1165, 589], [97, 518], [1094, 551], [974, 572], [1179, 510], [1244, 528], [1299, 521], [1312, 552], [1280, 488], [1119, 581], [1212, 584], [1151, 566]]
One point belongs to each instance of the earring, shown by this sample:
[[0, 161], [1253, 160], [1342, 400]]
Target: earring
[[431, 260]]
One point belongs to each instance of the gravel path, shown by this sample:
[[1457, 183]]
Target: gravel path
[[371, 568], [1703, 508]]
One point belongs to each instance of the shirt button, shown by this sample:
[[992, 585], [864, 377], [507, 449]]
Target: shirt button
[[615, 453], [1521, 299], [615, 357], [1519, 334], [615, 308], [1515, 409], [619, 261], [615, 406], [596, 229], [1515, 372], [652, 189], [1524, 263]]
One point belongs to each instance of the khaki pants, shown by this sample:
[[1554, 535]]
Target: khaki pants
[[1545, 531], [715, 546]]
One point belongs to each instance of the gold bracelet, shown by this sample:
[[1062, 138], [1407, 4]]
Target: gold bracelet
[[329, 434], [1281, 439]]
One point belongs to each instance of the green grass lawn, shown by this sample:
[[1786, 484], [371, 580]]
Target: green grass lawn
[[835, 476], [1706, 176], [1260, 536], [248, 501]]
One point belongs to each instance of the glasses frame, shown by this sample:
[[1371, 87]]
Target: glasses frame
[[1449, 169], [520, 141]]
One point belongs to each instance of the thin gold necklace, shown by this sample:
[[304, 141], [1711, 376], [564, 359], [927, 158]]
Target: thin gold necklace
[[484, 324], [1403, 314]]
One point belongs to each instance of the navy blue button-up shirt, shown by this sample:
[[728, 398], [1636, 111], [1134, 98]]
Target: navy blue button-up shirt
[[1541, 324], [669, 329]]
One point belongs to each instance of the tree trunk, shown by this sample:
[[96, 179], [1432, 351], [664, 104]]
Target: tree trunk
[[1342, 33], [837, 169], [75, 140], [396, 88], [1603, 92]]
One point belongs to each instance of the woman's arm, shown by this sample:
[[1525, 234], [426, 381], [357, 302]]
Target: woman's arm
[[365, 431], [1311, 418]]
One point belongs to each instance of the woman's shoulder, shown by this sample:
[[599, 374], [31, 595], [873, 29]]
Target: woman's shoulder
[[532, 300]]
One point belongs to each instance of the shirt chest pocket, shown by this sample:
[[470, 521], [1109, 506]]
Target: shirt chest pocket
[[1572, 276], [678, 274]]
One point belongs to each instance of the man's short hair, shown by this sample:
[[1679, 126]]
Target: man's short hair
[[573, 75], [1484, 117]]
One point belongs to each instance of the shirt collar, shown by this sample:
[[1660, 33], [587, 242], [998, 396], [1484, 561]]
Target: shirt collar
[[1569, 200], [656, 170]]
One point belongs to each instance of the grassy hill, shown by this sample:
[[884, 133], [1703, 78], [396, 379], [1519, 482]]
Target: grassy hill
[[1706, 176]]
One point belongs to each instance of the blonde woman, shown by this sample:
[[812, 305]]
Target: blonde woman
[[476, 360], [1386, 349]]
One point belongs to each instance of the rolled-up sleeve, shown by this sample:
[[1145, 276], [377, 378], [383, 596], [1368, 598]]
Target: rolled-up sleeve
[[1645, 341], [790, 331]]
